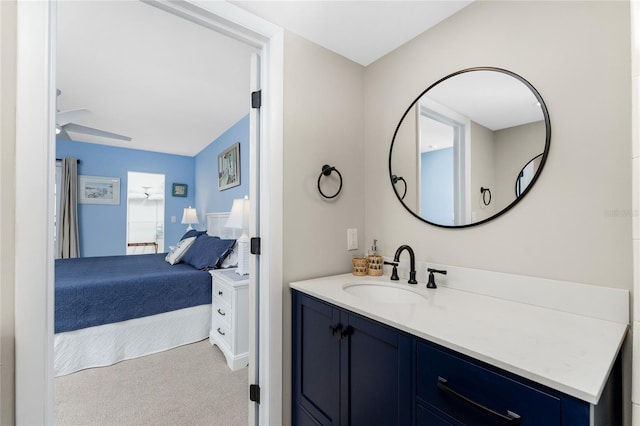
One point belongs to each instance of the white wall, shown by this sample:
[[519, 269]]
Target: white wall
[[323, 122]]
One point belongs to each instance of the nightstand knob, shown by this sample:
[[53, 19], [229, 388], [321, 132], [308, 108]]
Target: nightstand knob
[[219, 293]]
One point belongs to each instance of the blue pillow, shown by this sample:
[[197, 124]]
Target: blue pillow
[[192, 233], [208, 252]]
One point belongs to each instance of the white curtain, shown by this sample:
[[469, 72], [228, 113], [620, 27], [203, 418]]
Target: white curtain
[[67, 226]]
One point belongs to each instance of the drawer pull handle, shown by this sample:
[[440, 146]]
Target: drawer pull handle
[[221, 313], [511, 417], [220, 331], [219, 293]]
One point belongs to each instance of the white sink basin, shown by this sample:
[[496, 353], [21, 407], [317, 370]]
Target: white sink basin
[[381, 292]]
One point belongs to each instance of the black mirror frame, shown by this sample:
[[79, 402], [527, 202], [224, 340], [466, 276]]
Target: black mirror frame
[[545, 154]]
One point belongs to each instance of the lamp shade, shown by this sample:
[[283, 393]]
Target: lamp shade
[[239, 216], [239, 219], [189, 217]]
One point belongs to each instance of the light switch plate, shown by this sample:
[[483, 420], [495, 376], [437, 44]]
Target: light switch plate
[[352, 239]]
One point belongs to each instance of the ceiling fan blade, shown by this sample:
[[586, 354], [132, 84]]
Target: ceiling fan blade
[[64, 135], [65, 117], [72, 127]]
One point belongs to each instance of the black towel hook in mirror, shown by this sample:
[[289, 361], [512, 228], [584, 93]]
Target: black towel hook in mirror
[[395, 179], [484, 192], [326, 171]]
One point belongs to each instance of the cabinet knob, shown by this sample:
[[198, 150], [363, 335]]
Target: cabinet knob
[[219, 293]]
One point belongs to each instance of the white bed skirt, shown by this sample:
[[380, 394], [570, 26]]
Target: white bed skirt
[[111, 343]]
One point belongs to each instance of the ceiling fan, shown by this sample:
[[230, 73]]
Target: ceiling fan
[[65, 122]]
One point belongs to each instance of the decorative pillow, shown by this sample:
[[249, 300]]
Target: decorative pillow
[[208, 252], [192, 233], [176, 253]]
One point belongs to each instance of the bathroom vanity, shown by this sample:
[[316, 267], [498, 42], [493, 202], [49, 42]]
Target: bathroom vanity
[[370, 351]]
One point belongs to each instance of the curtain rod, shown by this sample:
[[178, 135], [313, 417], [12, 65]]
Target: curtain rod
[[60, 159]]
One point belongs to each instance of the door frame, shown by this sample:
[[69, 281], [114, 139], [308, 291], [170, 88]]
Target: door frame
[[35, 175]]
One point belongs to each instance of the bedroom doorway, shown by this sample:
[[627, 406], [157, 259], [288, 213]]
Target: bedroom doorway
[[36, 99], [145, 213]]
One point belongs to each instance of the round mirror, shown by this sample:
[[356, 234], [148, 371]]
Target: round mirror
[[462, 144]]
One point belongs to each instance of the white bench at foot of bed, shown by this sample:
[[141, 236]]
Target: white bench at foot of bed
[[111, 343]]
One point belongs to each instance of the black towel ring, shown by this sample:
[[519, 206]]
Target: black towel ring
[[395, 179], [326, 171], [484, 192]]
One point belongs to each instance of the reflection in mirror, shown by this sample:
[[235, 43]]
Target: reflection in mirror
[[526, 174], [472, 129]]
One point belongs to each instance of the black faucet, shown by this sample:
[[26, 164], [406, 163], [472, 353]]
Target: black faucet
[[412, 259]]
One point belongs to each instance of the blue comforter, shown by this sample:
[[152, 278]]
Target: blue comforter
[[93, 291]]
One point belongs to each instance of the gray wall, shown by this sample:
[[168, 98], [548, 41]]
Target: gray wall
[[574, 225], [323, 122]]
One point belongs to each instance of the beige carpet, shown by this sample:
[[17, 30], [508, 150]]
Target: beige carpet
[[189, 385]]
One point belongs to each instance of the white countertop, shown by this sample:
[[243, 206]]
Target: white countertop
[[565, 351]]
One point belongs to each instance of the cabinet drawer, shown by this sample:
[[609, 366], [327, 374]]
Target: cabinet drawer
[[224, 333], [462, 392], [223, 292], [222, 313]]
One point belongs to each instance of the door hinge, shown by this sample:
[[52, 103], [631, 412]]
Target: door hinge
[[256, 99], [254, 393], [255, 245]]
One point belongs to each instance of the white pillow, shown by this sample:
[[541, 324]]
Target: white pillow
[[176, 253], [231, 261]]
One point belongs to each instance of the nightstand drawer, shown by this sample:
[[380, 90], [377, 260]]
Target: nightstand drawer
[[222, 313], [224, 333], [223, 292]]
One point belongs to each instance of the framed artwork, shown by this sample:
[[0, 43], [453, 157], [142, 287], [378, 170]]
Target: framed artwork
[[229, 167], [98, 190], [179, 190]]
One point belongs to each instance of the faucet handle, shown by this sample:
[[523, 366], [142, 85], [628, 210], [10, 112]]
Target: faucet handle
[[394, 273], [432, 281]]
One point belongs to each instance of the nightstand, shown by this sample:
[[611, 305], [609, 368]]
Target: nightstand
[[230, 316]]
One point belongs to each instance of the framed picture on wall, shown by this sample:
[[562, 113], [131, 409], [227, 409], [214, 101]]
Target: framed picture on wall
[[179, 190], [98, 190], [229, 167]]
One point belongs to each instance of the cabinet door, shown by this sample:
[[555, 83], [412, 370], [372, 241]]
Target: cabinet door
[[316, 362], [376, 380]]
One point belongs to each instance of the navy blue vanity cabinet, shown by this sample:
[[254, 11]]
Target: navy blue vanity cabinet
[[454, 390], [347, 369]]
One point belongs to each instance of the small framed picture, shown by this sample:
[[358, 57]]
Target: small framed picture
[[98, 190], [229, 167], [179, 190]]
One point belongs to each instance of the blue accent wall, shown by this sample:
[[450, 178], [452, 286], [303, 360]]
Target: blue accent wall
[[208, 198], [103, 227], [437, 186]]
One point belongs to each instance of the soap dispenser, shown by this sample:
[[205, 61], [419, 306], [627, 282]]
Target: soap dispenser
[[375, 260]]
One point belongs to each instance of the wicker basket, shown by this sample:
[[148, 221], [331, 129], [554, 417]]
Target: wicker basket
[[360, 265], [375, 265]]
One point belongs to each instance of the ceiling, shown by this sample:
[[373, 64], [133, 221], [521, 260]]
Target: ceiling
[[174, 86]]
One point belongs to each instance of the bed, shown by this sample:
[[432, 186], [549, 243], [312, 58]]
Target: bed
[[109, 309]]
